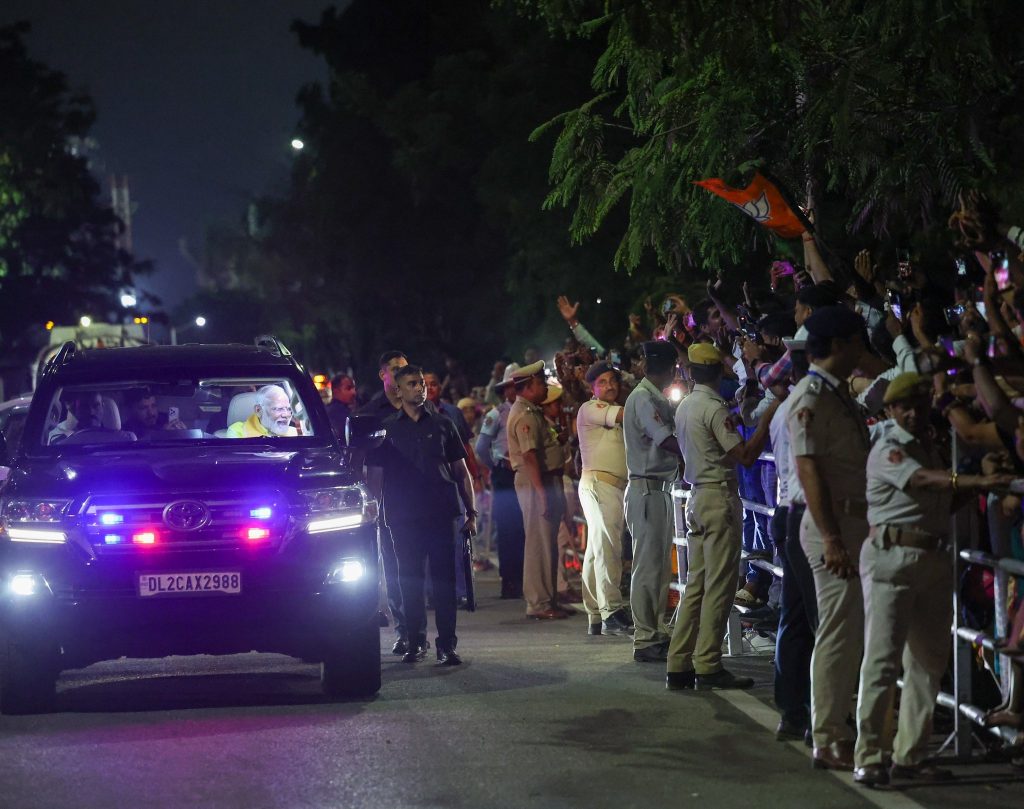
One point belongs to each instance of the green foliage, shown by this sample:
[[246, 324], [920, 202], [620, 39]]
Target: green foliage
[[414, 219], [888, 110], [58, 243]]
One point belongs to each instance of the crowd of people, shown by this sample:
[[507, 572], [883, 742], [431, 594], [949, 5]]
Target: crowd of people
[[857, 383]]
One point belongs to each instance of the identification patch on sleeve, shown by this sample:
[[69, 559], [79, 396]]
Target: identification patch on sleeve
[[805, 416], [895, 456]]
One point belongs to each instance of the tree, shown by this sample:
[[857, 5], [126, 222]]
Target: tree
[[414, 218], [59, 256], [887, 109]]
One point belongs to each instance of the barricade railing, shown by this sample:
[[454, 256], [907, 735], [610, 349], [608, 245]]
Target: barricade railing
[[969, 719]]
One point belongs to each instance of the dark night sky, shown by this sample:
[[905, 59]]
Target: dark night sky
[[195, 103]]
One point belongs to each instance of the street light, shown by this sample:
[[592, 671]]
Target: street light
[[298, 145], [199, 322], [85, 321], [128, 300]]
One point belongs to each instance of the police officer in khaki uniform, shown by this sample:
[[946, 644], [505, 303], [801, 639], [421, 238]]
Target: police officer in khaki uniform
[[907, 578], [602, 483], [652, 460], [711, 447], [539, 490], [829, 443]]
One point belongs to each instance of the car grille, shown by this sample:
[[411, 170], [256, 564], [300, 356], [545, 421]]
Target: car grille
[[111, 523]]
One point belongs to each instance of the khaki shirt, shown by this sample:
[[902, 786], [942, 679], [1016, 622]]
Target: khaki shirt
[[892, 462], [706, 434], [554, 453], [826, 423], [526, 430], [648, 421], [602, 448]]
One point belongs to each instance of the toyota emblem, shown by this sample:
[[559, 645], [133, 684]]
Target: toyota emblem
[[186, 515]]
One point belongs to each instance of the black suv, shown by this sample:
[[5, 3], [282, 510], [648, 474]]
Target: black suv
[[184, 500]]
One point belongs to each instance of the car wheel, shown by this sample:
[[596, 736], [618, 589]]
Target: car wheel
[[351, 667], [28, 680]]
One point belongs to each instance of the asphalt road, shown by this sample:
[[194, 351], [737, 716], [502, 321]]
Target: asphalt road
[[539, 716]]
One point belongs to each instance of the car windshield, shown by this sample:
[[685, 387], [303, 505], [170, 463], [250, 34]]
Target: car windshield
[[164, 410]]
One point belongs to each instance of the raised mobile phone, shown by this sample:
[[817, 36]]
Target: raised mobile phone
[[904, 270], [953, 314], [172, 413], [895, 301]]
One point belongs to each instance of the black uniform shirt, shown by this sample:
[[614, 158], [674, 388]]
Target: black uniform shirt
[[416, 457]]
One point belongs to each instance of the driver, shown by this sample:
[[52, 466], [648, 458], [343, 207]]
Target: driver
[[85, 411], [272, 416]]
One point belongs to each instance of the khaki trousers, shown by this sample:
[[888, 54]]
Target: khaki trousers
[[650, 521], [540, 554], [602, 562], [714, 537], [839, 641], [908, 610]]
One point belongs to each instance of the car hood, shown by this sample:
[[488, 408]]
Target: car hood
[[178, 469]]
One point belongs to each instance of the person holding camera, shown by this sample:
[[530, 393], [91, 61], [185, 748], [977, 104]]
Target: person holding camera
[[907, 582]]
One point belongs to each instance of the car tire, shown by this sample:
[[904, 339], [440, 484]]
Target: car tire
[[28, 680], [351, 667]]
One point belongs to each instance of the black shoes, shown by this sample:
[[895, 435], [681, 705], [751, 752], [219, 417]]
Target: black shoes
[[448, 657], [722, 679], [401, 647], [658, 653], [871, 775], [680, 680], [416, 652], [618, 623]]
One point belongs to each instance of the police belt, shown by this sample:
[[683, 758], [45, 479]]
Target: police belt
[[604, 477], [904, 537], [652, 484]]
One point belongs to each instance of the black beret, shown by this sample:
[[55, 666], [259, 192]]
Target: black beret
[[598, 368], [660, 350], [834, 321]]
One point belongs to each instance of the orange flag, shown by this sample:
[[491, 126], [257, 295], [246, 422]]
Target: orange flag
[[763, 202]]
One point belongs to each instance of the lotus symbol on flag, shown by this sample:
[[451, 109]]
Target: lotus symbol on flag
[[759, 209]]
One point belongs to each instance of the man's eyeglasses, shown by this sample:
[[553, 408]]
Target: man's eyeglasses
[[280, 411]]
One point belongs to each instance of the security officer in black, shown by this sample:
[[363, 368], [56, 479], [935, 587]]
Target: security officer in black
[[425, 476]]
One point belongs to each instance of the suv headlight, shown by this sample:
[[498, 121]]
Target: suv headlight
[[32, 520], [339, 508], [21, 511]]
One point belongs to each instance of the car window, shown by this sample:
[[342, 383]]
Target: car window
[[163, 410], [12, 427]]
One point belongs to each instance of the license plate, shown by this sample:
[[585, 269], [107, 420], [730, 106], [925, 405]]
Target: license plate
[[187, 584]]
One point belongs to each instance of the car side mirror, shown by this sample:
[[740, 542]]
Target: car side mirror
[[364, 432]]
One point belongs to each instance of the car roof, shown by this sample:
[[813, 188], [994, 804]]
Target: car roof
[[203, 356]]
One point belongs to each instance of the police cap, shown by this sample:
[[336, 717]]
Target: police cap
[[704, 354], [601, 367], [524, 373], [909, 385]]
